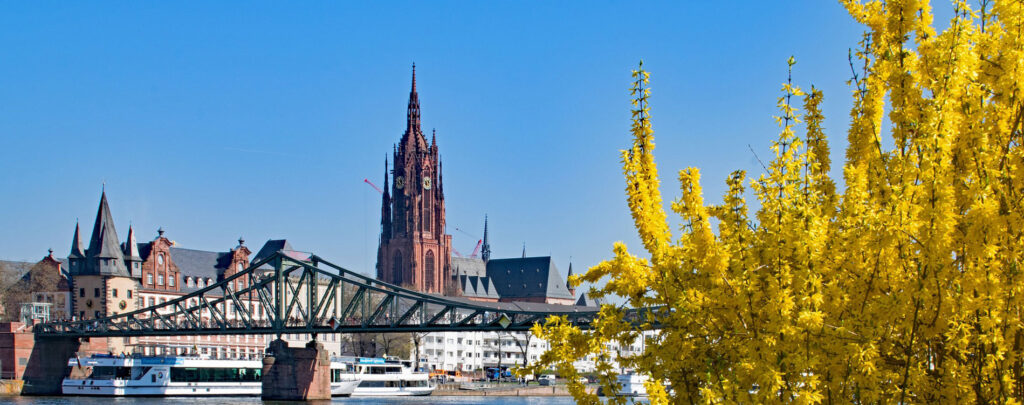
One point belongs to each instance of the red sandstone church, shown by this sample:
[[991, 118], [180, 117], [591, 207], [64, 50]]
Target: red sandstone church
[[415, 252]]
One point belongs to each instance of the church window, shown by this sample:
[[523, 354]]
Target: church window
[[426, 218], [430, 270]]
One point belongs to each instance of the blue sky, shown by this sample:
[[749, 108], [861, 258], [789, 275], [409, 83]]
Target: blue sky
[[262, 119]]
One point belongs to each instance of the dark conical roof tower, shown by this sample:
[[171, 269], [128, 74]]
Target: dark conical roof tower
[[104, 255]]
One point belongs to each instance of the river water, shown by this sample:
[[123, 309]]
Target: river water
[[429, 400]]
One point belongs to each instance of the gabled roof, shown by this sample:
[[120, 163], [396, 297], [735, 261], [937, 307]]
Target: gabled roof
[[270, 248], [586, 301], [527, 277]]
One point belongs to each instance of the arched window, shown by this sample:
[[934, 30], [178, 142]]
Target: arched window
[[429, 279], [396, 271]]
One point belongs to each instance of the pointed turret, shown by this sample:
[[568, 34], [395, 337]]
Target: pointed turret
[[572, 290], [485, 253], [385, 207], [76, 246], [132, 257], [104, 256]]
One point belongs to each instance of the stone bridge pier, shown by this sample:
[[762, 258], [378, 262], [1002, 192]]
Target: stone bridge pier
[[296, 373], [47, 364]]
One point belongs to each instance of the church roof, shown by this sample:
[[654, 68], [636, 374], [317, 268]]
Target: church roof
[[527, 277]]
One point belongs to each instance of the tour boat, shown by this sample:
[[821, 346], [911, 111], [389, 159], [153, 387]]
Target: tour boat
[[164, 376], [381, 377], [180, 376]]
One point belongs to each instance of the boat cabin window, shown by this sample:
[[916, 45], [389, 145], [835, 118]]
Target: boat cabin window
[[111, 373], [194, 374]]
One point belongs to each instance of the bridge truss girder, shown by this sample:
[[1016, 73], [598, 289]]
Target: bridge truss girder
[[284, 294]]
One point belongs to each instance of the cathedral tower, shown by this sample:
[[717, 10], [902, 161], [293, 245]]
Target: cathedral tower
[[414, 250]]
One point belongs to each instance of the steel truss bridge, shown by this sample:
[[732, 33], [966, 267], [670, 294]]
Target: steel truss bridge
[[294, 292]]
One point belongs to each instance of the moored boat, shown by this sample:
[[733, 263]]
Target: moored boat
[[382, 377], [164, 376]]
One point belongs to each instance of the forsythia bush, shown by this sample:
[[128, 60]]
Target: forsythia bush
[[906, 287]]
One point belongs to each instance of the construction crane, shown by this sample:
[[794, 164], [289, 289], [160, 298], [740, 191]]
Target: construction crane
[[479, 242], [367, 181]]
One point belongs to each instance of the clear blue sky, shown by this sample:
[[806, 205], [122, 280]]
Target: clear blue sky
[[262, 119]]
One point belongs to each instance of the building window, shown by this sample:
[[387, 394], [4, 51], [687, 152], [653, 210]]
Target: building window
[[160, 280], [96, 292], [129, 293], [114, 292], [170, 280], [152, 301], [81, 292], [96, 314], [149, 279]]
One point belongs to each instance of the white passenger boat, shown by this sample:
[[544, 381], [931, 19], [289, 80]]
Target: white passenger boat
[[181, 376], [382, 377], [164, 376]]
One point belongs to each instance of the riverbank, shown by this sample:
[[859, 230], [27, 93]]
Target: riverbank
[[508, 391]]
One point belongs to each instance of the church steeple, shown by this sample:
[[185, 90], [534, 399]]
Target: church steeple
[[413, 139], [414, 250], [485, 253]]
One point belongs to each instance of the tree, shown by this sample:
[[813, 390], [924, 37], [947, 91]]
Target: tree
[[904, 287]]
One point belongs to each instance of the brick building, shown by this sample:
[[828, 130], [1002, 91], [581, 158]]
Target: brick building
[[109, 278], [414, 250]]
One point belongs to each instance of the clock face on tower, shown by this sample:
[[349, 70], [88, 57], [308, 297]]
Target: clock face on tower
[[400, 182], [426, 183]]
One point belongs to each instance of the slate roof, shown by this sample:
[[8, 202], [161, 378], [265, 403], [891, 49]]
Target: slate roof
[[269, 248], [104, 255], [200, 263], [527, 277], [471, 276], [585, 301]]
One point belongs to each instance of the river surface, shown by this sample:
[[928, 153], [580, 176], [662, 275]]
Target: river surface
[[428, 400]]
